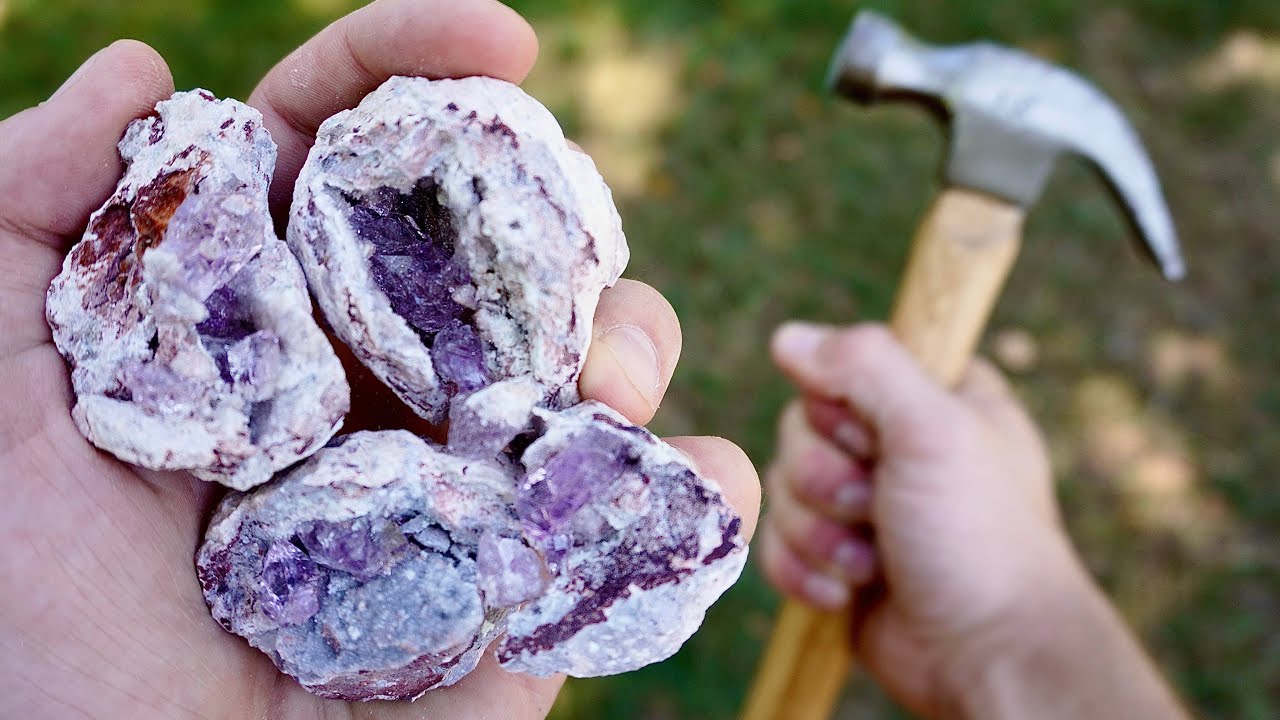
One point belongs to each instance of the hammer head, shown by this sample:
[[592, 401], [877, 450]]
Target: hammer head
[[1011, 115]]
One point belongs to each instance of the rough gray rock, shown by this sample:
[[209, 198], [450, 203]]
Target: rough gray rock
[[185, 320], [452, 239]]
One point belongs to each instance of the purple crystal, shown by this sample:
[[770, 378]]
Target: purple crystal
[[551, 494], [510, 572], [229, 318], [417, 292], [413, 242], [255, 360], [213, 234], [291, 584], [364, 547], [158, 389], [458, 356]]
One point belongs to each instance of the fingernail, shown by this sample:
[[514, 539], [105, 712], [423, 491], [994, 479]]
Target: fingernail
[[636, 355], [825, 591], [797, 341], [853, 437], [851, 497], [79, 73], [848, 557]]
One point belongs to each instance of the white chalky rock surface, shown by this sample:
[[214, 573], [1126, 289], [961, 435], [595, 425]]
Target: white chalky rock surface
[[357, 572], [452, 238], [185, 320]]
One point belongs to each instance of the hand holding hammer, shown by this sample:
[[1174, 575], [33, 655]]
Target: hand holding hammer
[[1010, 116]]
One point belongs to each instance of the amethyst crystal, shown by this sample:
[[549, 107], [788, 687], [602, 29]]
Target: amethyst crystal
[[483, 424], [363, 547], [184, 318], [290, 585], [452, 238], [510, 571], [458, 356]]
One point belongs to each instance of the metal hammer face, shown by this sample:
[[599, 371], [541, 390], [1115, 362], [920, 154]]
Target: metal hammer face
[[1011, 115]]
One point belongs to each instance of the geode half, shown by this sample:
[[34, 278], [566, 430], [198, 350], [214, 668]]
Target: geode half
[[362, 572], [639, 545], [384, 566], [452, 239], [186, 322]]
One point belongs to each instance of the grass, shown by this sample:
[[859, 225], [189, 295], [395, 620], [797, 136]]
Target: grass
[[750, 197]]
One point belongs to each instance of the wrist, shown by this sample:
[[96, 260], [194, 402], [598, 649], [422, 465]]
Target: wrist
[[1063, 653]]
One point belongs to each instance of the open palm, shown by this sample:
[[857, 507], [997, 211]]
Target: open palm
[[100, 612]]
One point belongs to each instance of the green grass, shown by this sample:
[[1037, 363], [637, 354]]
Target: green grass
[[754, 198]]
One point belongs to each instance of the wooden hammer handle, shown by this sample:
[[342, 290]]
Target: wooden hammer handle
[[958, 263]]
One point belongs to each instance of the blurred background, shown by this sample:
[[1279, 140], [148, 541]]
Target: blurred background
[[750, 197]]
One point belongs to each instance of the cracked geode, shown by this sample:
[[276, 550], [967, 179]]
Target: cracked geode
[[452, 239], [186, 322], [638, 546], [384, 566], [362, 571]]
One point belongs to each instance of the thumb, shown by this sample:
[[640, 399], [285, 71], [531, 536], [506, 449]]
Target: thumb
[[867, 369], [60, 159]]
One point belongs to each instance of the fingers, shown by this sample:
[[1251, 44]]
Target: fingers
[[870, 371], [60, 159], [728, 467], [812, 472], [634, 350], [817, 492], [351, 57], [487, 691], [842, 427]]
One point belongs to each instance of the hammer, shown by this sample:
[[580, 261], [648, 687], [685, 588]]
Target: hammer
[[1010, 115]]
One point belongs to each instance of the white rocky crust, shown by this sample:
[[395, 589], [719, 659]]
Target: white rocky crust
[[190, 217], [535, 227]]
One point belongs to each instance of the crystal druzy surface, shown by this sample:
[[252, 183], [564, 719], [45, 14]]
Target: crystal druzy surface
[[185, 320], [384, 566], [452, 238]]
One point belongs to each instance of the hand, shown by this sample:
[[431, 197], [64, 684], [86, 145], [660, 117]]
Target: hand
[[937, 509], [100, 611]]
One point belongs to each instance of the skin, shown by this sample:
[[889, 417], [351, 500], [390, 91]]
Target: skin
[[933, 511], [100, 612]]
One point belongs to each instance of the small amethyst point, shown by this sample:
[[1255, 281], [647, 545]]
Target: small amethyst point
[[291, 584], [363, 547]]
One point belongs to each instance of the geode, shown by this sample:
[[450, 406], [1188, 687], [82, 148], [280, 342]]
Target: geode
[[384, 566], [452, 239], [186, 322], [360, 572], [639, 545]]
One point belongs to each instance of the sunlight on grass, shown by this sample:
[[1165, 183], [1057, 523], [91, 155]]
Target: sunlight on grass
[[4, 12], [1177, 358], [1148, 459], [623, 93], [1245, 56]]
